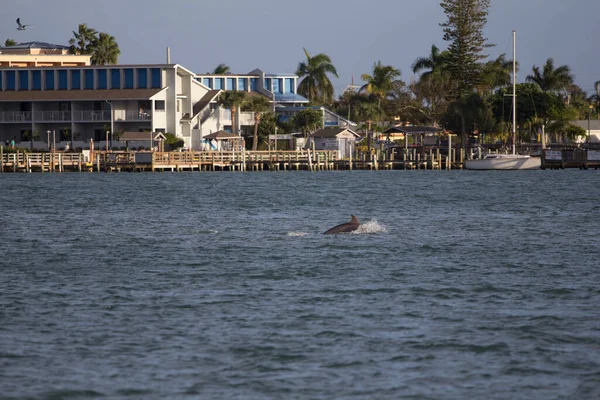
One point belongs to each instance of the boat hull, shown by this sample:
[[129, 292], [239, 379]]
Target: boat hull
[[508, 162]]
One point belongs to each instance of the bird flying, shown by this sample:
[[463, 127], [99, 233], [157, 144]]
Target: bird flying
[[21, 26]]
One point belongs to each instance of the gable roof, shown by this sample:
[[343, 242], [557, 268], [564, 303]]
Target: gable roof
[[204, 101], [332, 132], [221, 135]]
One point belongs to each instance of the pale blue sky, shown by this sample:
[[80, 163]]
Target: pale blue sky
[[270, 34]]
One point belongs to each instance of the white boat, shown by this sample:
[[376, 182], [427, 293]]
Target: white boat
[[508, 161], [505, 162]]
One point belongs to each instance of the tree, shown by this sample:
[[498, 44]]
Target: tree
[[308, 120], [381, 82], [82, 40], [435, 64], [221, 69], [367, 113], [596, 98], [232, 100], [102, 47], [464, 31], [551, 79], [105, 50], [258, 105], [316, 86], [10, 42], [173, 142], [497, 73]]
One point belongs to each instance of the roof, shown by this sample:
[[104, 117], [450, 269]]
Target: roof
[[221, 135], [413, 129], [204, 101], [65, 95], [594, 124], [332, 132], [139, 136], [36, 45]]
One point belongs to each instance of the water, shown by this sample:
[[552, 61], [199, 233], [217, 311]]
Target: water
[[459, 284]]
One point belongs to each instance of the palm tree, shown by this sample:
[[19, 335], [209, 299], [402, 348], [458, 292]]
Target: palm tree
[[434, 64], [105, 50], [316, 86], [84, 37], [497, 73], [551, 79], [232, 100], [10, 42], [258, 105], [597, 98], [368, 112], [221, 69], [381, 82]]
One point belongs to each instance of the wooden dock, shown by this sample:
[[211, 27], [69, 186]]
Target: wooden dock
[[307, 160]]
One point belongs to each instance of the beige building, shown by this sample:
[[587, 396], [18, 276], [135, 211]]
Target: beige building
[[40, 54]]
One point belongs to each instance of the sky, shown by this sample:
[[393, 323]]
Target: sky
[[271, 34]]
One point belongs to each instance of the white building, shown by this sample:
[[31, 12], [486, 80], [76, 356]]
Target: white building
[[92, 102]]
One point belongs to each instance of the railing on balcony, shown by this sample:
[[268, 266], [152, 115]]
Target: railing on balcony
[[15, 116], [141, 115], [86, 116], [75, 116]]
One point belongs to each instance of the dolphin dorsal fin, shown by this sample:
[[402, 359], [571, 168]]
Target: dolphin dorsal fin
[[354, 220]]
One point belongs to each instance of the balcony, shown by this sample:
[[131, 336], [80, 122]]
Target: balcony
[[15, 116], [52, 116], [73, 116], [123, 115]]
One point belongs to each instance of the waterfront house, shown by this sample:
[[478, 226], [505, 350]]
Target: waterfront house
[[334, 138], [592, 129]]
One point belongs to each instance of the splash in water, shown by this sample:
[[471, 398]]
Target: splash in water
[[297, 234], [370, 227]]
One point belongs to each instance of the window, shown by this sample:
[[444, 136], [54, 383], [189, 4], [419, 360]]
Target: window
[[208, 82], [89, 78], [253, 84], [268, 83], [230, 85], [243, 84], [156, 78], [276, 88], [115, 79], [76, 79], [218, 83], [23, 80], [159, 105], [142, 78], [289, 85], [102, 79], [36, 80], [62, 80], [49, 75], [128, 78]]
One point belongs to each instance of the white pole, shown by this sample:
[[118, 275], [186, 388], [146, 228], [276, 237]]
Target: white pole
[[514, 110]]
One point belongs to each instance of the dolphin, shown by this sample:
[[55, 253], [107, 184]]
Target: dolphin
[[345, 228]]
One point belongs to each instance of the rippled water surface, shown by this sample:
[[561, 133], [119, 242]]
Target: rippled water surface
[[459, 284]]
